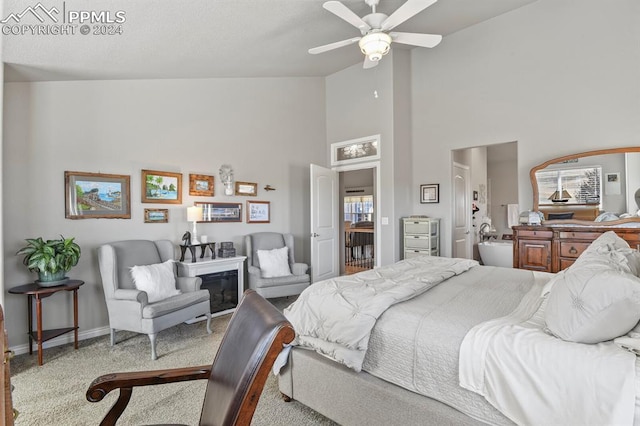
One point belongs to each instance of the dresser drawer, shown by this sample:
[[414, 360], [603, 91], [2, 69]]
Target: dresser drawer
[[420, 228], [408, 254], [572, 249], [535, 234], [420, 242], [580, 235], [565, 263]]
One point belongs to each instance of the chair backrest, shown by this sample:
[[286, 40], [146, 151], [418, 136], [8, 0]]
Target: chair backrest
[[266, 241], [117, 258], [5, 377], [254, 338]]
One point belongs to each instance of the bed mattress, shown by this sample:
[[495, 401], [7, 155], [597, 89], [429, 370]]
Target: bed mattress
[[415, 344]]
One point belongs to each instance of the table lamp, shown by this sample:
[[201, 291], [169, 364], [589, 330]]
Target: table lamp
[[194, 214]]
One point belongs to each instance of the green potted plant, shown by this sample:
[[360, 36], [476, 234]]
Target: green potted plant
[[51, 259]]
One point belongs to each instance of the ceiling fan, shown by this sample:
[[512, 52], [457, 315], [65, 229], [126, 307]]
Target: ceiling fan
[[375, 28]]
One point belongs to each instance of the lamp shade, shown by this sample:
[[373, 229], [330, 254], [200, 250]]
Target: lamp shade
[[194, 214]]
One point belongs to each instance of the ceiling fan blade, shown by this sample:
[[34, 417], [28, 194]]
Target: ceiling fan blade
[[415, 39], [335, 45], [343, 12], [404, 12], [368, 63]]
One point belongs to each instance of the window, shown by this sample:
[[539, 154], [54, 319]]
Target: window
[[358, 209], [579, 185]]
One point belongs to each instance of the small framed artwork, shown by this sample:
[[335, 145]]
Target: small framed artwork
[[258, 212], [430, 193], [156, 215], [246, 188], [201, 185], [220, 212], [161, 187], [355, 150], [96, 196]]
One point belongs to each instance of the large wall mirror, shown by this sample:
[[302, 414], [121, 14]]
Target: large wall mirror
[[602, 186]]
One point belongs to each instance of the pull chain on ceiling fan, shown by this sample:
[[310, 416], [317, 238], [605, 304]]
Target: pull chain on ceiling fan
[[375, 28]]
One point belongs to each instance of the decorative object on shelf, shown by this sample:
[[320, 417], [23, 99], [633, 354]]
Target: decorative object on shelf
[[96, 195], [430, 193], [355, 150], [269, 188], [161, 187], [201, 185], [246, 188], [221, 212], [226, 250], [258, 211], [156, 215], [186, 238], [192, 249], [194, 214], [226, 177], [51, 259]]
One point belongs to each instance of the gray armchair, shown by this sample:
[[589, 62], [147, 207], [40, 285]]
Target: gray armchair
[[129, 308], [276, 286]]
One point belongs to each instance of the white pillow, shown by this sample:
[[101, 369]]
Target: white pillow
[[608, 251], [591, 304], [157, 280], [274, 263]]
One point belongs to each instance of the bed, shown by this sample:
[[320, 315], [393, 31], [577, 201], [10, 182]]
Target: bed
[[412, 366]]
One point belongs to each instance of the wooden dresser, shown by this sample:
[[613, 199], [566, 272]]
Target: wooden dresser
[[554, 248]]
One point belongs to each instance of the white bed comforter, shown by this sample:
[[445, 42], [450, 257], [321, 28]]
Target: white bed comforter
[[335, 317], [511, 356]]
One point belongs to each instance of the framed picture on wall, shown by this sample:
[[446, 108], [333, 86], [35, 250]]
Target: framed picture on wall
[[258, 212], [156, 215], [246, 188], [96, 196], [220, 212], [430, 193], [201, 185], [161, 187]]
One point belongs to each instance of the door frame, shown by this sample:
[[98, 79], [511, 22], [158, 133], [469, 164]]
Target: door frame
[[375, 165]]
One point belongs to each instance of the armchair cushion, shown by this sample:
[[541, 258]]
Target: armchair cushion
[[274, 263], [157, 280], [174, 303]]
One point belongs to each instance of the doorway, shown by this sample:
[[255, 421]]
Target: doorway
[[357, 210]]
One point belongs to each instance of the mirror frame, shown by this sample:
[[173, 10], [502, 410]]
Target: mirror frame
[[534, 185]]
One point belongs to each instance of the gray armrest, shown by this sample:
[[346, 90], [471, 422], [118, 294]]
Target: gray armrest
[[188, 284], [136, 295], [254, 271], [299, 268]]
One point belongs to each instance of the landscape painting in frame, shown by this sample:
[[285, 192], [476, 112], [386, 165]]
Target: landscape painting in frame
[[96, 195], [161, 187]]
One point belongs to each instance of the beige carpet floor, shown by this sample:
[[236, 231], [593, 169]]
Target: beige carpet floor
[[54, 393]]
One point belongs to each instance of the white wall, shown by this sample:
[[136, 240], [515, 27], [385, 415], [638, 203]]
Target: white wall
[[558, 76], [121, 127], [353, 112], [502, 181]]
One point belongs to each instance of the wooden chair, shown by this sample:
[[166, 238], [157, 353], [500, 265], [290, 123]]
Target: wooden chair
[[8, 413], [254, 338]]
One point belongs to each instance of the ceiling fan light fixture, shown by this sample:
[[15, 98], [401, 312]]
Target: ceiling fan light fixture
[[375, 45]]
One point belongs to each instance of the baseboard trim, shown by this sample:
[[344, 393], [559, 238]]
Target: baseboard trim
[[62, 340]]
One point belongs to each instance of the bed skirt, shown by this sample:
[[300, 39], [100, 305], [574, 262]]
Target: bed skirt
[[351, 398]]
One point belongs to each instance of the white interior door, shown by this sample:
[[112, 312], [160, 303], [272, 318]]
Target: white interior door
[[324, 223], [462, 243]]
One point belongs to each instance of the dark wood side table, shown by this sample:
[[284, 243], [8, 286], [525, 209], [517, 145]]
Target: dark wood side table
[[34, 290]]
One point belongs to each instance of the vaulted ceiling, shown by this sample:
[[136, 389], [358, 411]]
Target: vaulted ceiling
[[211, 38]]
